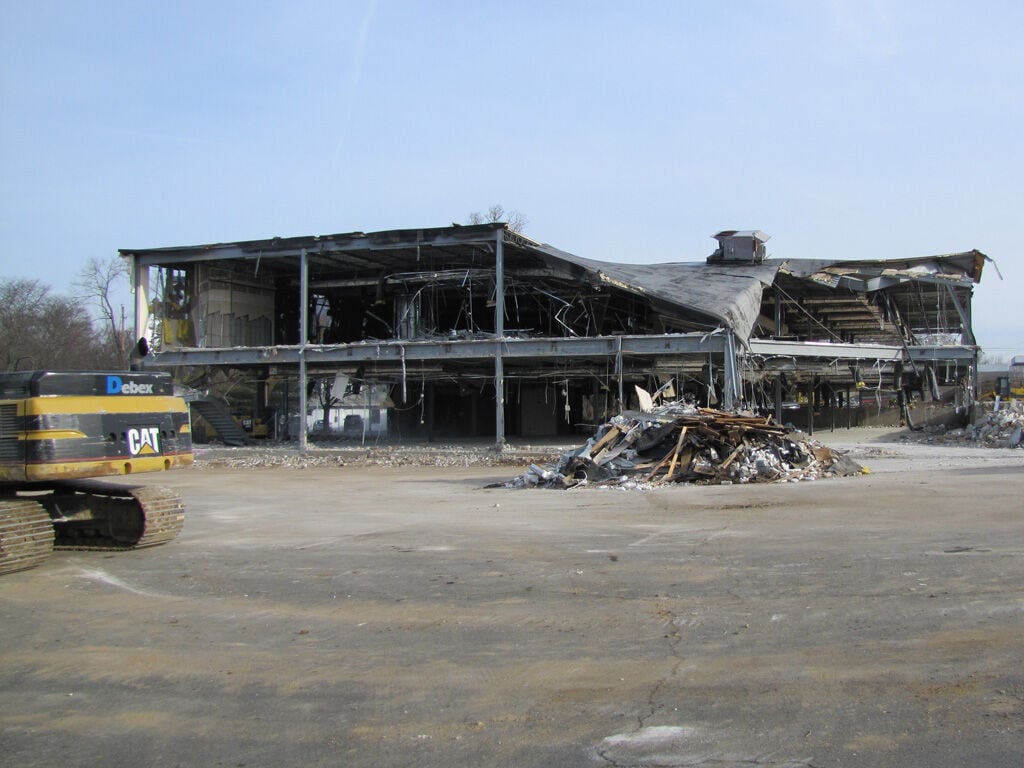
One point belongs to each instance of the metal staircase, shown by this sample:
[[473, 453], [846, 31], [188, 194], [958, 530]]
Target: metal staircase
[[217, 416]]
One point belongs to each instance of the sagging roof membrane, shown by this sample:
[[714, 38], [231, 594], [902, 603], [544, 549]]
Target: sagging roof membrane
[[730, 294]]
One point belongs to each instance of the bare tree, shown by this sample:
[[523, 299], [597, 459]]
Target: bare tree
[[96, 282], [327, 398], [40, 330], [21, 301], [515, 220]]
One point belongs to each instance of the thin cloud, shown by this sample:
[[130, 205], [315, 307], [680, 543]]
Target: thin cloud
[[355, 76], [867, 27]]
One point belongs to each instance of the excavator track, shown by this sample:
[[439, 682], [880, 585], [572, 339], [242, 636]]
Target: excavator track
[[118, 516], [26, 534]]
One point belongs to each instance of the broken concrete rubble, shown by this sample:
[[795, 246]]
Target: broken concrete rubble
[[992, 429], [681, 443]]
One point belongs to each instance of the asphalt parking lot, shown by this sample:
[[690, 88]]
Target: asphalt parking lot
[[405, 616]]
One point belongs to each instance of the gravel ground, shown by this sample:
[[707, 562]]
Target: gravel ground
[[387, 610]]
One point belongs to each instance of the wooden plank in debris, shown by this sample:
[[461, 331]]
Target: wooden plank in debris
[[685, 457], [706, 430], [664, 460], [632, 435], [732, 457], [608, 436], [675, 456], [712, 412], [611, 452]]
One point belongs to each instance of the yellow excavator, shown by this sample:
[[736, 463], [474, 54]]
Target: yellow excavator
[[59, 430], [1008, 385]]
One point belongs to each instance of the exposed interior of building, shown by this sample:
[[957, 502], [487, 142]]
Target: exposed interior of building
[[479, 331]]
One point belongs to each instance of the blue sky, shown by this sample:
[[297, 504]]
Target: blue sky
[[623, 131]]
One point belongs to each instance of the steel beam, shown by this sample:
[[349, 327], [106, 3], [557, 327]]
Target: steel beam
[[965, 319], [960, 354], [463, 349], [884, 352], [547, 349], [950, 281], [825, 349], [268, 250]]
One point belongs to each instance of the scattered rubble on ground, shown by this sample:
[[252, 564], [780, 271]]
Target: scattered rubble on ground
[[993, 429], [287, 456], [637, 450], [244, 458], [682, 443]]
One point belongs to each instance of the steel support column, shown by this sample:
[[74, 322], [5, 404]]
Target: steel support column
[[730, 384], [140, 287], [499, 333], [811, 386], [975, 394], [618, 370], [303, 338]]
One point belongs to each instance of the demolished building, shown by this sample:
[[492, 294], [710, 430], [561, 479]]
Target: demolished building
[[478, 330]]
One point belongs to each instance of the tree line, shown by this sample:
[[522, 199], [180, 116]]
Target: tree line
[[41, 329]]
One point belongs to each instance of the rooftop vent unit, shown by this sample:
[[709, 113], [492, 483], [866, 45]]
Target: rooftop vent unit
[[739, 247]]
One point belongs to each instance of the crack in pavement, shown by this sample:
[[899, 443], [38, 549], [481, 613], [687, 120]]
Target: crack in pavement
[[660, 738], [675, 638]]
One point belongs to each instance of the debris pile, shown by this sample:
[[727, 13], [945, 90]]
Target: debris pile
[[1002, 429], [681, 443], [994, 429]]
